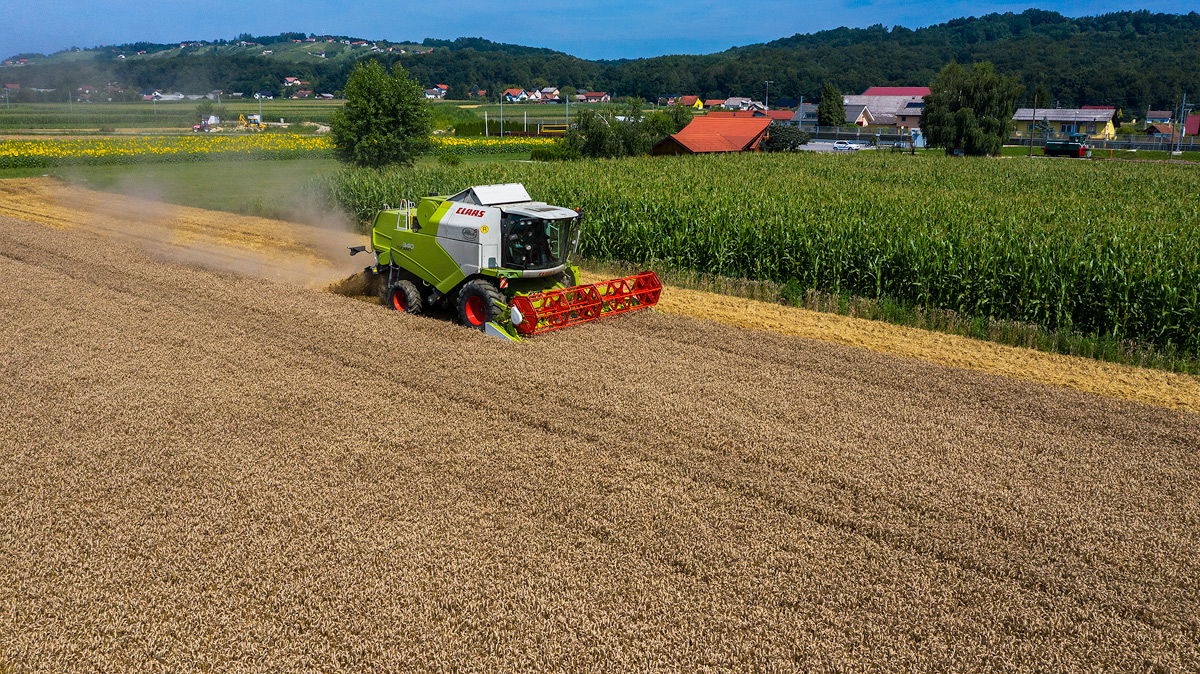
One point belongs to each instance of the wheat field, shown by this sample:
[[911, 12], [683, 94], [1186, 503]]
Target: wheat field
[[203, 471]]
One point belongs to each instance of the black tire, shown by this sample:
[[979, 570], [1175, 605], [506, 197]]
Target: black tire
[[476, 303], [403, 296]]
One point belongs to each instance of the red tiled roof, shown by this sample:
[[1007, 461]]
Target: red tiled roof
[[688, 100], [1164, 129], [514, 92], [785, 115], [595, 94], [722, 134], [1191, 126], [896, 91], [713, 101], [442, 86]]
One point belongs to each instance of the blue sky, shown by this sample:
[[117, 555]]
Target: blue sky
[[589, 28]]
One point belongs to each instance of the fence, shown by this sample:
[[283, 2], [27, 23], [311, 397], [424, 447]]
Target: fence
[[1120, 142]]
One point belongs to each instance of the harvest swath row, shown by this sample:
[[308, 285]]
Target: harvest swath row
[[1038, 241]]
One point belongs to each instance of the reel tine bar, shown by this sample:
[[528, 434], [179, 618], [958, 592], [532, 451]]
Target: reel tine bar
[[554, 309]]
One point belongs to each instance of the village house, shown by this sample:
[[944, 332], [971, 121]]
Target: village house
[[859, 115], [888, 104], [293, 82], [1094, 123], [1158, 117], [690, 102], [714, 102], [303, 93], [707, 133], [515, 95], [909, 117], [805, 115], [596, 97], [549, 93]]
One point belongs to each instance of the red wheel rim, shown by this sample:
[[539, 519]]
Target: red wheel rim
[[399, 301], [476, 310]]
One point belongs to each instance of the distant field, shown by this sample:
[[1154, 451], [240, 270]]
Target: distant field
[[146, 114]]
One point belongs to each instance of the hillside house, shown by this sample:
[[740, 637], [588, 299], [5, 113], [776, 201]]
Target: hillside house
[[549, 93], [596, 97], [533, 95], [515, 95], [1093, 123], [739, 103], [433, 93], [714, 102], [293, 82], [706, 134], [690, 102], [303, 93]]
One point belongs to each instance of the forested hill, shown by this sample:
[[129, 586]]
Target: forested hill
[[1132, 60]]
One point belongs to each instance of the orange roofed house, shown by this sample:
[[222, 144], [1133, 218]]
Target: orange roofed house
[[716, 134]]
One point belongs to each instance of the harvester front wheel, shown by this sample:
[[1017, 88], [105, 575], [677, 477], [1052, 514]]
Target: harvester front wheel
[[477, 304], [403, 296]]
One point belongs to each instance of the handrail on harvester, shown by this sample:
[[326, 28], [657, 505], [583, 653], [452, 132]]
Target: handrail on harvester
[[554, 309]]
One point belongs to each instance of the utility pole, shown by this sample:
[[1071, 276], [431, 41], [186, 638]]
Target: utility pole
[[767, 96], [501, 115], [1184, 108]]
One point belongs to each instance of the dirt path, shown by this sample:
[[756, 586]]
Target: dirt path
[[212, 471]]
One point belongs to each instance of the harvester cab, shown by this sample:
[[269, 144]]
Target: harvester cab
[[499, 259]]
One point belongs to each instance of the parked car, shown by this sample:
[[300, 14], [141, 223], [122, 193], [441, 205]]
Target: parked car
[[844, 145]]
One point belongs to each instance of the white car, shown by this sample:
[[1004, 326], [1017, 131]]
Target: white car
[[844, 145]]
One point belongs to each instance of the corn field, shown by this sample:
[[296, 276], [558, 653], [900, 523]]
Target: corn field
[[1108, 249]]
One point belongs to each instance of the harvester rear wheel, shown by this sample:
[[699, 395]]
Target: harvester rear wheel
[[403, 296], [477, 303]]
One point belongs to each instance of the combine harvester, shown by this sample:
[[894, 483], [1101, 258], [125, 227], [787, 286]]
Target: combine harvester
[[499, 259]]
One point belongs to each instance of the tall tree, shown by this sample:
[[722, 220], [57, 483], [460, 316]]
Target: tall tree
[[830, 110], [969, 110], [386, 119]]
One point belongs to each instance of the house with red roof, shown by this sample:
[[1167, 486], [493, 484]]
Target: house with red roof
[[714, 102], [897, 91], [690, 102], [596, 97], [715, 134], [515, 95]]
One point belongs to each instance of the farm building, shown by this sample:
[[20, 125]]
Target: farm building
[[909, 117], [860, 115], [690, 102], [714, 102], [716, 134], [1191, 127], [1094, 123]]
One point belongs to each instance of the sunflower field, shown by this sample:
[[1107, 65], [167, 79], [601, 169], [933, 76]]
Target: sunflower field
[[36, 153]]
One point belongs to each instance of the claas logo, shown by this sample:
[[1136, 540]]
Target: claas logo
[[475, 212]]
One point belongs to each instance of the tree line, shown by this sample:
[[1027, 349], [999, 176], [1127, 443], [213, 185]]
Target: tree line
[[1131, 60]]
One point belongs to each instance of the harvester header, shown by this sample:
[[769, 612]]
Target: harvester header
[[500, 259]]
